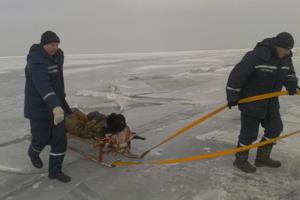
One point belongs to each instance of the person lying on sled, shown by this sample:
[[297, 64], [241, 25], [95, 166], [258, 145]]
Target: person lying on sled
[[112, 127]]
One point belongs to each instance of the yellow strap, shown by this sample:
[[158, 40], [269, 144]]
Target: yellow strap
[[206, 156], [213, 113], [265, 96]]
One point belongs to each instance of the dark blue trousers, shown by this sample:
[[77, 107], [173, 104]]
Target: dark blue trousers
[[44, 132], [250, 126]]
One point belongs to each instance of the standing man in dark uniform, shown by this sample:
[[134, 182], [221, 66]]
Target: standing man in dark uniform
[[45, 104], [265, 69]]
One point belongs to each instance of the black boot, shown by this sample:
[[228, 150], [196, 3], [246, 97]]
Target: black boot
[[35, 158], [60, 176], [263, 157], [241, 162], [36, 162]]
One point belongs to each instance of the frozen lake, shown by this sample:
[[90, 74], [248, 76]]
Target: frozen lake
[[159, 93]]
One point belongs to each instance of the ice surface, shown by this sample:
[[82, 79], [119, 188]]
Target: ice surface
[[159, 93]]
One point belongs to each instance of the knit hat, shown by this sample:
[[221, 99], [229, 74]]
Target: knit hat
[[49, 37], [284, 40]]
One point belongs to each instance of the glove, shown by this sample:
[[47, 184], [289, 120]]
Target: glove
[[291, 88], [58, 114], [232, 103]]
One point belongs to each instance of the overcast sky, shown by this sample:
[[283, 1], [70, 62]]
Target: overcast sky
[[113, 26]]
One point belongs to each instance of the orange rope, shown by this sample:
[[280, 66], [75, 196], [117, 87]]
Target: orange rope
[[207, 156], [213, 113]]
